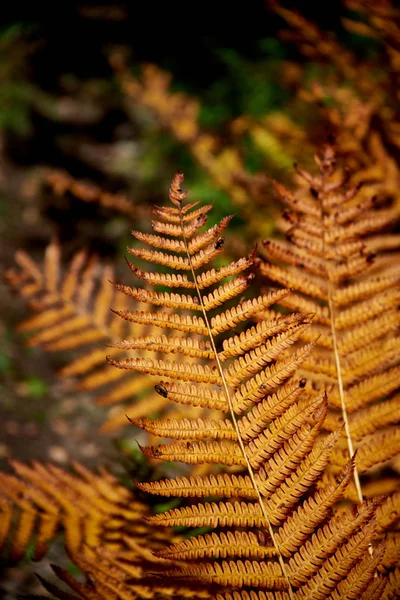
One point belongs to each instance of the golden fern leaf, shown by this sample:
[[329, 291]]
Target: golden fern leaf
[[268, 446], [73, 312], [331, 266], [102, 523], [91, 509]]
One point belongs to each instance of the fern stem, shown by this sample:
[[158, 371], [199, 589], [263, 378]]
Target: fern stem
[[234, 421], [356, 476], [332, 315], [350, 446]]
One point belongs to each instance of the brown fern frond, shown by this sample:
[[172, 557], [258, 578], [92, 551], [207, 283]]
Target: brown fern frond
[[91, 509], [73, 312], [331, 265], [270, 447]]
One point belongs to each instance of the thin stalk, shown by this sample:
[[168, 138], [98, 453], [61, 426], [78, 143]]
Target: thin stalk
[[350, 446], [332, 315]]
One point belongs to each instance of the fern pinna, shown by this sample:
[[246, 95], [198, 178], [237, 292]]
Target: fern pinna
[[272, 533], [344, 273]]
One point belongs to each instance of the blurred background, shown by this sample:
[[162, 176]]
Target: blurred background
[[100, 104]]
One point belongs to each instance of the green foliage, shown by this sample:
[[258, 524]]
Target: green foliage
[[15, 100], [249, 88], [5, 363], [36, 387]]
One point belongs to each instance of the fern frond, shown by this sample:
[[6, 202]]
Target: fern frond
[[337, 530], [91, 509], [271, 441], [331, 266], [186, 323], [73, 312], [272, 406], [246, 309], [168, 280], [359, 579], [344, 559], [253, 360], [388, 513], [255, 389], [304, 520]]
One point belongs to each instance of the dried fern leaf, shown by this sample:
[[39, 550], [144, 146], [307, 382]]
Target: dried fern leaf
[[202, 486], [388, 513], [168, 280], [186, 323], [271, 407], [336, 531], [73, 313], [90, 509], [331, 265], [270, 509], [244, 311]]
